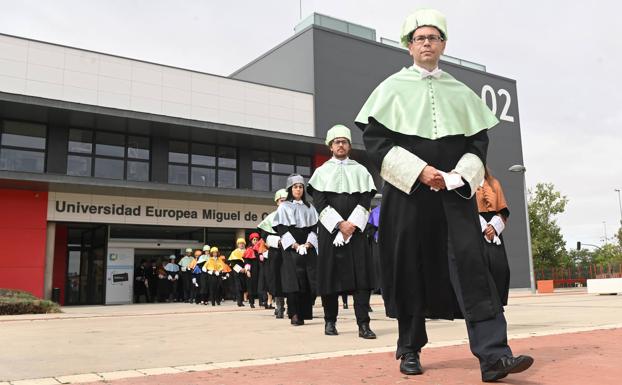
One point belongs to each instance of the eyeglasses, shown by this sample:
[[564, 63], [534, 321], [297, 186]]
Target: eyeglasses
[[343, 142], [433, 39]]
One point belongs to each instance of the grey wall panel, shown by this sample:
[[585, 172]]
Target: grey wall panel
[[159, 159], [58, 137], [289, 65], [245, 173], [347, 69], [56, 154]]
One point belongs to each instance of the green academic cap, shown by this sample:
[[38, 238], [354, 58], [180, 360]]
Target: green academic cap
[[421, 18], [282, 193], [338, 131]]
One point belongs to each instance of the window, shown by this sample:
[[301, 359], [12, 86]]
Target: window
[[227, 167], [108, 155], [201, 164], [261, 171], [22, 146], [138, 154], [270, 170]]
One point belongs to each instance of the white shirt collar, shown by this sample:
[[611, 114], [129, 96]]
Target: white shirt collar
[[435, 73], [339, 161], [300, 202]]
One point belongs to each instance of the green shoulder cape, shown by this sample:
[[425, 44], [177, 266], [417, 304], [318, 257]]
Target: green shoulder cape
[[266, 224], [430, 108], [347, 177]]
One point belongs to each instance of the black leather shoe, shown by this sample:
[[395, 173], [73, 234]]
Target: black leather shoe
[[505, 366], [297, 321], [252, 305], [410, 364], [330, 329], [366, 332]]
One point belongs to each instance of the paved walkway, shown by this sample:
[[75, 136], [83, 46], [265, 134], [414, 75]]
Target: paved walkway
[[566, 359], [87, 344]]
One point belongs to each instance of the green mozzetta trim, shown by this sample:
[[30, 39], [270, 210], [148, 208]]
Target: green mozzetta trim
[[350, 177], [429, 108], [266, 224]]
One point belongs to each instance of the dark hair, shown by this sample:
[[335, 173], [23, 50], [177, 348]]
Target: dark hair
[[290, 196]]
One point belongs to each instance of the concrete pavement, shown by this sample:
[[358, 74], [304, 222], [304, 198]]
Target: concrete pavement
[[114, 342], [589, 358]]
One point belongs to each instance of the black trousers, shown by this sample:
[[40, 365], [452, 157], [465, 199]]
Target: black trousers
[[487, 339], [194, 289], [214, 288], [186, 281], [240, 286], [301, 304], [361, 306]]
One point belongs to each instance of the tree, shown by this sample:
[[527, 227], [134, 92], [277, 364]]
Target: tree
[[608, 254], [547, 243], [575, 257]]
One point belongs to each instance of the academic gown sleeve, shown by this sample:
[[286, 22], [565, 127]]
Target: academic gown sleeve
[[472, 165], [360, 215], [401, 168], [397, 166], [328, 217], [287, 240]]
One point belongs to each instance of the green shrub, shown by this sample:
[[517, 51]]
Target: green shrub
[[22, 302]]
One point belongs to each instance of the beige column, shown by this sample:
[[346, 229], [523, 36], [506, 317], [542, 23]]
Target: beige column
[[240, 233], [48, 274]]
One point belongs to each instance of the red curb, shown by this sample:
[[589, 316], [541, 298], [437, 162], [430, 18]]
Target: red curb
[[566, 359]]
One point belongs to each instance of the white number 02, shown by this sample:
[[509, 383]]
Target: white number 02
[[487, 89]]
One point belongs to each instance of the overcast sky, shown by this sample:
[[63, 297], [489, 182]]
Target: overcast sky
[[565, 57]]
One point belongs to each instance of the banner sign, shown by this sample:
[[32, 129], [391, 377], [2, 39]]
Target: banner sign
[[69, 207]]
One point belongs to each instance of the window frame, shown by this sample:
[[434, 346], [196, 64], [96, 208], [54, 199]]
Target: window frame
[[93, 156], [216, 167], [270, 173], [26, 149]]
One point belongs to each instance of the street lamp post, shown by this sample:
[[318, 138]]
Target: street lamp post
[[520, 168], [620, 203], [605, 233]]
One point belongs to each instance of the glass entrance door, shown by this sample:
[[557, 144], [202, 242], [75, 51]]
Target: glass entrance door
[[86, 263]]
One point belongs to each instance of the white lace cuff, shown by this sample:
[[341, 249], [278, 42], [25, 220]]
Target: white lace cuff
[[312, 239], [471, 169], [287, 240], [498, 224], [401, 168], [359, 217], [329, 218], [273, 241], [483, 223]]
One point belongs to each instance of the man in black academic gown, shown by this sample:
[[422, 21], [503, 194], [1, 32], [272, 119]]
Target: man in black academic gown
[[342, 191], [427, 134]]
